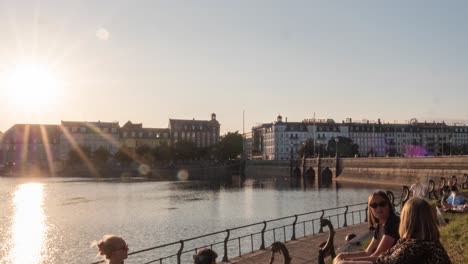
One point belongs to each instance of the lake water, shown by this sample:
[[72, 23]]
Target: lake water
[[54, 220]]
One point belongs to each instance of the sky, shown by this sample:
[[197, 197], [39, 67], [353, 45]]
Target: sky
[[148, 61]]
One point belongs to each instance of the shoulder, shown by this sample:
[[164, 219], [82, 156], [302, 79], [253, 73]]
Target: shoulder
[[392, 225]]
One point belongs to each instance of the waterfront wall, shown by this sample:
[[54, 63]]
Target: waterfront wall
[[397, 171], [402, 170]]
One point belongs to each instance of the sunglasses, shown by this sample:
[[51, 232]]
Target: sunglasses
[[381, 204]]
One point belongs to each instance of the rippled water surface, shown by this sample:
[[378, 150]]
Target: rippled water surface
[[54, 220]]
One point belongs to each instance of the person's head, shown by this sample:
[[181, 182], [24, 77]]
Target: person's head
[[417, 180], [454, 190], [113, 248], [205, 256], [379, 207], [418, 220]]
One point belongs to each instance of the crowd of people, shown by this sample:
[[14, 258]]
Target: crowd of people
[[412, 237]]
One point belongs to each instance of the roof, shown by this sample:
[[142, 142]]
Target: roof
[[33, 131], [98, 124]]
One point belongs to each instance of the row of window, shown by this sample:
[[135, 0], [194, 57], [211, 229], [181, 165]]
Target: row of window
[[87, 129], [148, 134]]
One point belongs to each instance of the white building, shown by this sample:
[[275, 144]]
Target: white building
[[281, 140]]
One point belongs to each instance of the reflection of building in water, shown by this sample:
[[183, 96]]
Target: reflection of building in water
[[281, 140], [203, 133], [31, 145]]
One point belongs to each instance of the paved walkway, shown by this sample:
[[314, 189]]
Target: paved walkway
[[303, 250]]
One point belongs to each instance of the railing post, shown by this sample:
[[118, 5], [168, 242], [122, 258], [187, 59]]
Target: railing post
[[321, 218], [225, 257], [179, 253], [262, 246], [345, 220], [293, 237], [367, 208]]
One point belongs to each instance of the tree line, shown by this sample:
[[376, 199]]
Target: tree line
[[229, 147]]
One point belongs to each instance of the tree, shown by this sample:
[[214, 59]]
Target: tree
[[74, 157], [101, 155], [123, 156], [230, 146], [144, 154], [185, 150], [163, 153], [346, 147], [308, 148]]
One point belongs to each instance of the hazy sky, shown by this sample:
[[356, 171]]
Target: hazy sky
[[148, 61]]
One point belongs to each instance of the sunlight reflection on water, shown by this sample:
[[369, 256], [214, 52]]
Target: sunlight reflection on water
[[28, 229]]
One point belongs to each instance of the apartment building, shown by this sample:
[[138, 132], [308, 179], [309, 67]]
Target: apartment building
[[203, 133], [281, 140], [92, 135], [133, 136], [31, 144]]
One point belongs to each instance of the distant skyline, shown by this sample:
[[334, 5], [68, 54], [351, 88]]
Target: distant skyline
[[148, 61]]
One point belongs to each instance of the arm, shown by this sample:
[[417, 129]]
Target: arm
[[402, 254], [385, 244], [353, 255]]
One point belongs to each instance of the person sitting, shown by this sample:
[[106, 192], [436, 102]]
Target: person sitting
[[419, 242], [385, 222], [455, 201], [417, 188], [205, 256], [113, 248]]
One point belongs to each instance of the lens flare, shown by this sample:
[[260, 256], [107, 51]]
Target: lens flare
[[183, 175]]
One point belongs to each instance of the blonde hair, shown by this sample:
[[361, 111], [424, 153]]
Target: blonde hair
[[372, 219], [418, 220], [107, 245]]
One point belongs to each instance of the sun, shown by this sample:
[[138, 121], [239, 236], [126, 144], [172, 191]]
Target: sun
[[32, 87]]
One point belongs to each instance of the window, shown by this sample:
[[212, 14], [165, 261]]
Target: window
[[83, 129]]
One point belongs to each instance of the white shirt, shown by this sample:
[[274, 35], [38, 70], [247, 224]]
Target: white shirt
[[418, 190]]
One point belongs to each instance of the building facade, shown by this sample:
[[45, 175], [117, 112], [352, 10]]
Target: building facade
[[203, 133], [31, 145], [92, 135], [281, 140], [133, 136]]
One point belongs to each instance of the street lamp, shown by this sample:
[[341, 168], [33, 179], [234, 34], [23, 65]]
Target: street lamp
[[336, 147]]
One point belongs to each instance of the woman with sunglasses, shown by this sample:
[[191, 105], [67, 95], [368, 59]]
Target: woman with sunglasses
[[113, 248], [385, 222], [419, 233]]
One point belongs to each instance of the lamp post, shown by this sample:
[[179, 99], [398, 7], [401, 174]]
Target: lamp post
[[336, 147]]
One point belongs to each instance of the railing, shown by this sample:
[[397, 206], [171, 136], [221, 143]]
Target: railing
[[248, 238]]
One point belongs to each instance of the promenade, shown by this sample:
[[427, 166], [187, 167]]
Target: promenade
[[304, 250]]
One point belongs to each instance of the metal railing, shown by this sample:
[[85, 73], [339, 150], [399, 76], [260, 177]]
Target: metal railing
[[248, 238]]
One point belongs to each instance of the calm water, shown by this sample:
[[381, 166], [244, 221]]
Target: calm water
[[54, 220]]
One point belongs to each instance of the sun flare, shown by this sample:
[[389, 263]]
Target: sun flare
[[32, 87]]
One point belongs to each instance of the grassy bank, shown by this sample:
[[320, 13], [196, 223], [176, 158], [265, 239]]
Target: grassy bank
[[454, 236]]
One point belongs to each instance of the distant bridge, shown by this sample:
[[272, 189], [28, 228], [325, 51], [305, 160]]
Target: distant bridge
[[320, 172]]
